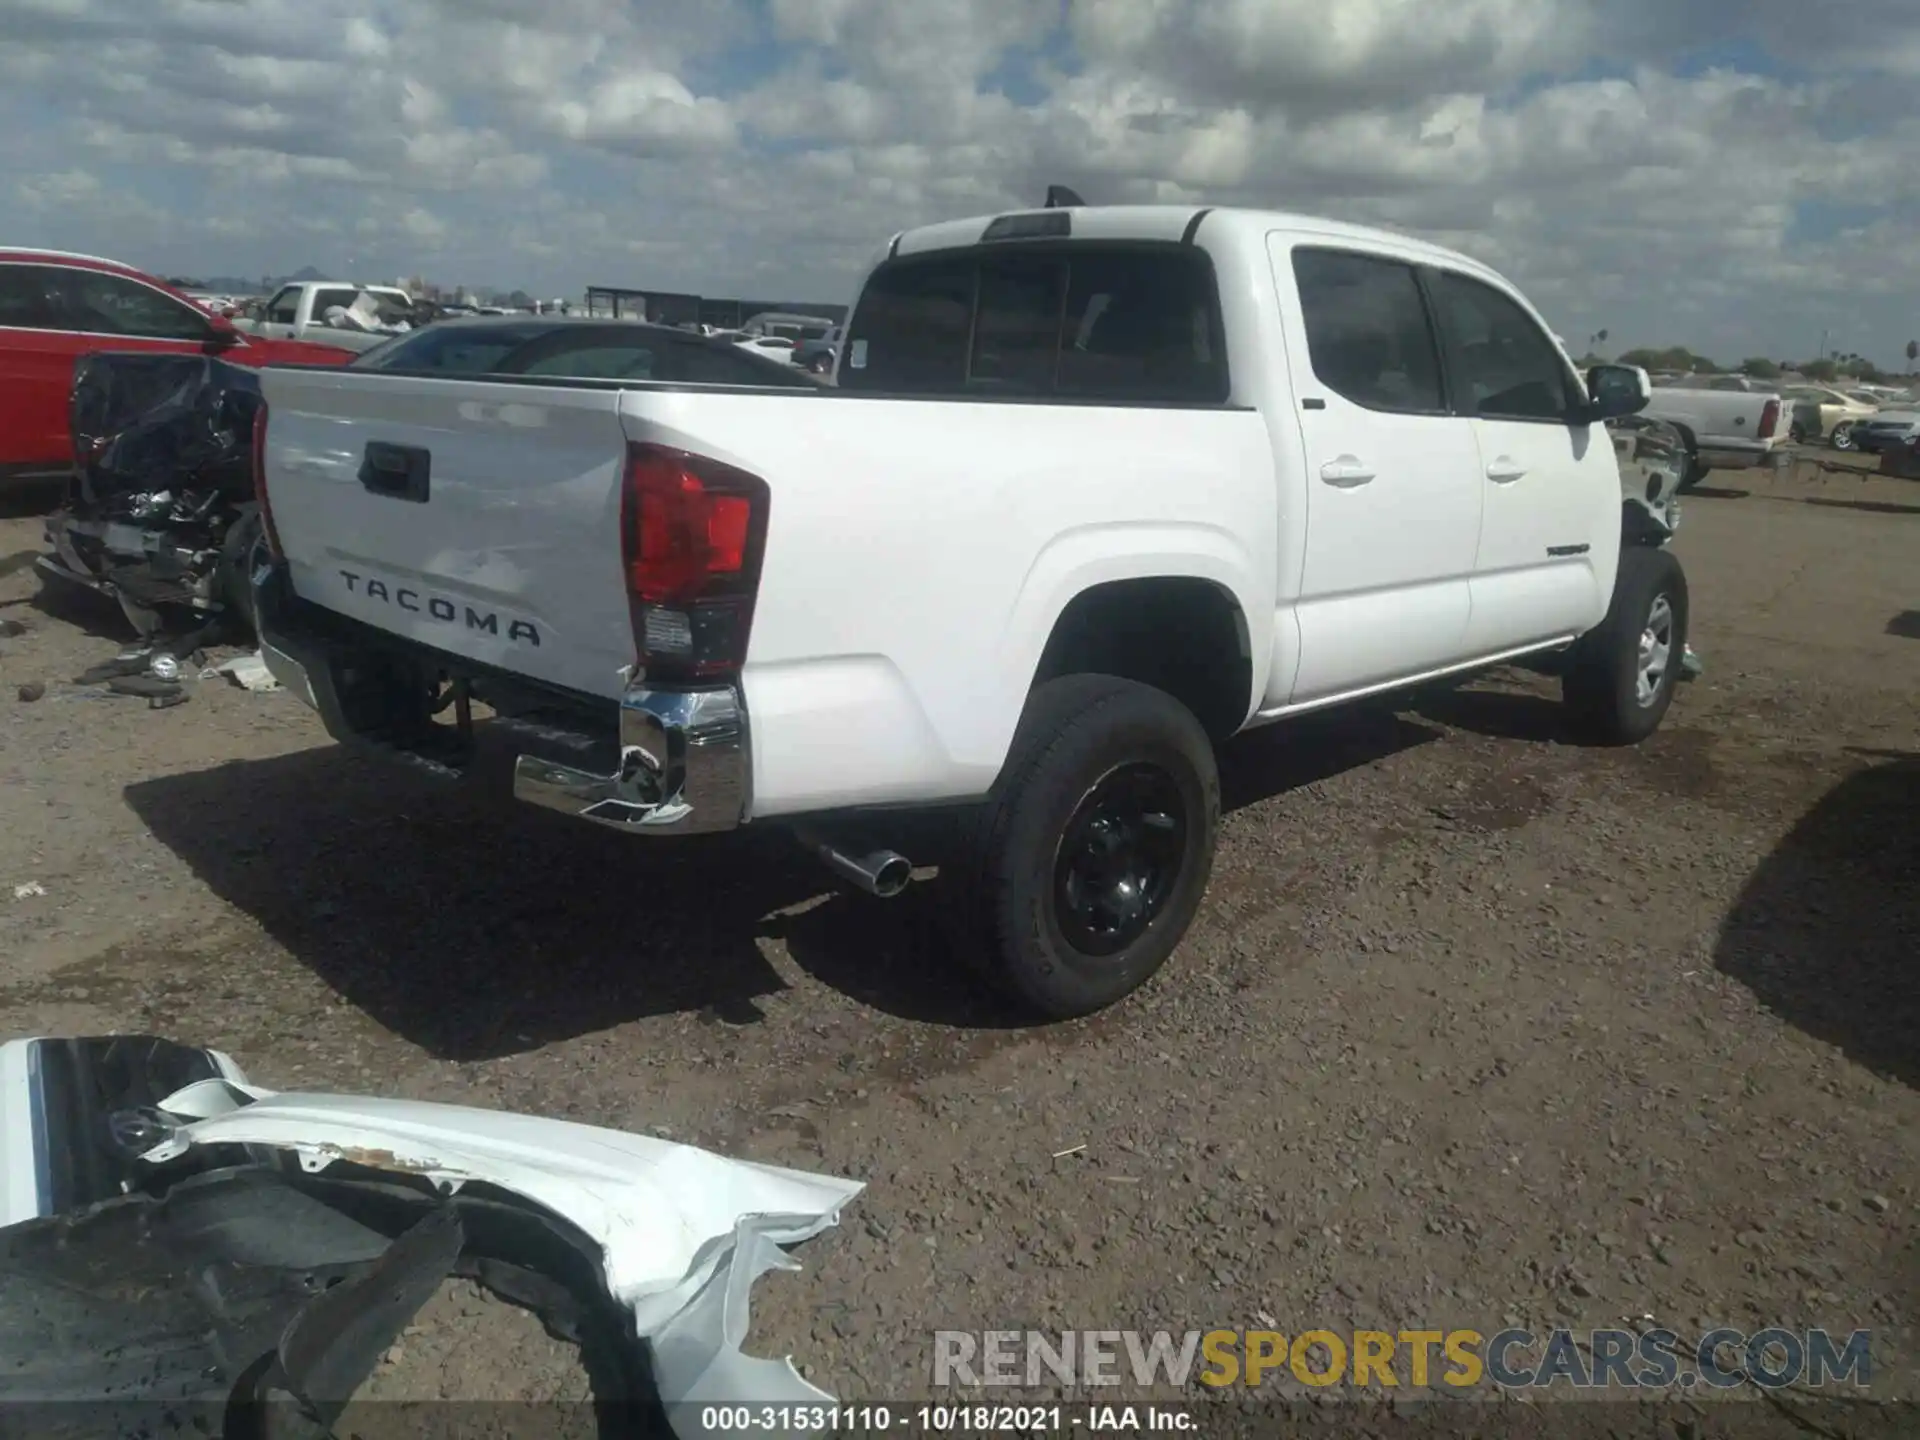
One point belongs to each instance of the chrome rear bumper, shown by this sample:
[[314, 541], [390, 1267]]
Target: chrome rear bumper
[[684, 762], [684, 767]]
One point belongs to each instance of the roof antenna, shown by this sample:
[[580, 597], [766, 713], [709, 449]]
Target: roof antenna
[[1059, 196]]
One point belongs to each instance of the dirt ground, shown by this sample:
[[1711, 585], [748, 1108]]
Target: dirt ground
[[1478, 1027]]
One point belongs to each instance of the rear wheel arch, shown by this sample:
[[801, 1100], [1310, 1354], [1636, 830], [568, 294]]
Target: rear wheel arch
[[1182, 634]]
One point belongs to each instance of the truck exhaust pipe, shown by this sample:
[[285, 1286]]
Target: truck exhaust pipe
[[878, 872]]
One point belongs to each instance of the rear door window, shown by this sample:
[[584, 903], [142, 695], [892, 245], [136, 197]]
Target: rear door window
[[1085, 321], [1367, 331], [114, 305], [26, 300]]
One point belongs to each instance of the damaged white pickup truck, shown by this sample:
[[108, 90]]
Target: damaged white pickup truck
[[1096, 489]]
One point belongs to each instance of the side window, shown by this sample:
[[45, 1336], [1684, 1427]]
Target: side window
[[115, 305], [1367, 331], [1016, 332], [325, 300], [27, 301], [910, 332], [284, 308], [1141, 325], [1503, 364]]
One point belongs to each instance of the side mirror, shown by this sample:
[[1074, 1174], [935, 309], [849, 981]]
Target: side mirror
[[221, 335], [1615, 390]]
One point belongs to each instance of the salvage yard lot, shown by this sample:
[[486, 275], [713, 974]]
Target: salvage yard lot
[[1477, 1028]]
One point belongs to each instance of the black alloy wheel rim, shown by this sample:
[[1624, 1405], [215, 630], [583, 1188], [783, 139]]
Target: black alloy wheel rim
[[1120, 857]]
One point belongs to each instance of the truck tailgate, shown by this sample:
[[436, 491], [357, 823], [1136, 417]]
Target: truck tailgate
[[477, 518]]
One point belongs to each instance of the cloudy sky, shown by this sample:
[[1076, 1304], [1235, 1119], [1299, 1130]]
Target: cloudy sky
[[1734, 175]]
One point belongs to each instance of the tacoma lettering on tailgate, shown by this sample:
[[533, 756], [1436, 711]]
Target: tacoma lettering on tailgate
[[438, 608]]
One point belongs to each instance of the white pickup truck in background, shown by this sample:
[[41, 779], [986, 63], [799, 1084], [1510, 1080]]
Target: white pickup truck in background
[[1730, 425], [300, 312], [1097, 489]]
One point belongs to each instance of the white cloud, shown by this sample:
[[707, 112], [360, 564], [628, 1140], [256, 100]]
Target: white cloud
[[1689, 171]]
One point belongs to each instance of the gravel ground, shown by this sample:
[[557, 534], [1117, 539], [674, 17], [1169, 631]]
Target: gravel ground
[[1478, 1027]]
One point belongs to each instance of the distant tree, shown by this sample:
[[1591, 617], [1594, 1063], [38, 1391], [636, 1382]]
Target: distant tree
[[1913, 354], [1820, 370], [1675, 357], [1760, 369]]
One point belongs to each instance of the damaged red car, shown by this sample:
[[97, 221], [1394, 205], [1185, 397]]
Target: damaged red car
[[56, 308]]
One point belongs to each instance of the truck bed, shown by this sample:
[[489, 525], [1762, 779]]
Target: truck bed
[[914, 545]]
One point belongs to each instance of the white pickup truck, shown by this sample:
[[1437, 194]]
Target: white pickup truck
[[299, 312], [1728, 422], [1097, 488]]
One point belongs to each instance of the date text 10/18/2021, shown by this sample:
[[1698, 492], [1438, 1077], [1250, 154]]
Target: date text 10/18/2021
[[959, 1419]]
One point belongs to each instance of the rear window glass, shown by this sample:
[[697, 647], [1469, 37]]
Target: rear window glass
[[584, 352], [1097, 322], [453, 349]]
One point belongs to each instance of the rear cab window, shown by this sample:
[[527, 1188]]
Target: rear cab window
[[1367, 331], [1066, 321]]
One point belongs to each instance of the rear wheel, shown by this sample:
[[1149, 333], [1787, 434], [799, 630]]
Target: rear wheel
[[1620, 677], [1842, 437], [1084, 869]]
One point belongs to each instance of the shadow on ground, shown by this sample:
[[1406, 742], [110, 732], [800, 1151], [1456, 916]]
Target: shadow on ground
[[1715, 492], [1872, 507], [476, 927], [1274, 759], [23, 499], [1826, 933]]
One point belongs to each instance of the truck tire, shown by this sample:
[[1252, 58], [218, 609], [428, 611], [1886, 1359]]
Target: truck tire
[[1082, 871], [1620, 677], [235, 581]]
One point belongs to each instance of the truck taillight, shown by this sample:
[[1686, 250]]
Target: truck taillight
[[271, 535], [692, 532], [1769, 419]]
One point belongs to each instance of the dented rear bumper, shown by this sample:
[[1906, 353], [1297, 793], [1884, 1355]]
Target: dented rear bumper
[[659, 761]]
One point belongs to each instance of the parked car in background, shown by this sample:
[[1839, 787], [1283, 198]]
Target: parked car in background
[[1887, 430], [578, 346], [772, 347], [816, 356], [300, 312], [1820, 412], [1725, 428], [56, 307], [1097, 489]]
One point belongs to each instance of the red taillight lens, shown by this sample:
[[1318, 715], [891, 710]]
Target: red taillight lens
[[260, 483], [1769, 419], [692, 533]]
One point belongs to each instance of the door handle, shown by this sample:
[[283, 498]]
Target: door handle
[[1504, 471], [1346, 472]]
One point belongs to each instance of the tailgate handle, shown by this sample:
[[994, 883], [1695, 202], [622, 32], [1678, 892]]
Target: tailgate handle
[[398, 471]]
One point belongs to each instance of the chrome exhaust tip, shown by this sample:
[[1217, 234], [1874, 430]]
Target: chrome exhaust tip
[[884, 873]]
